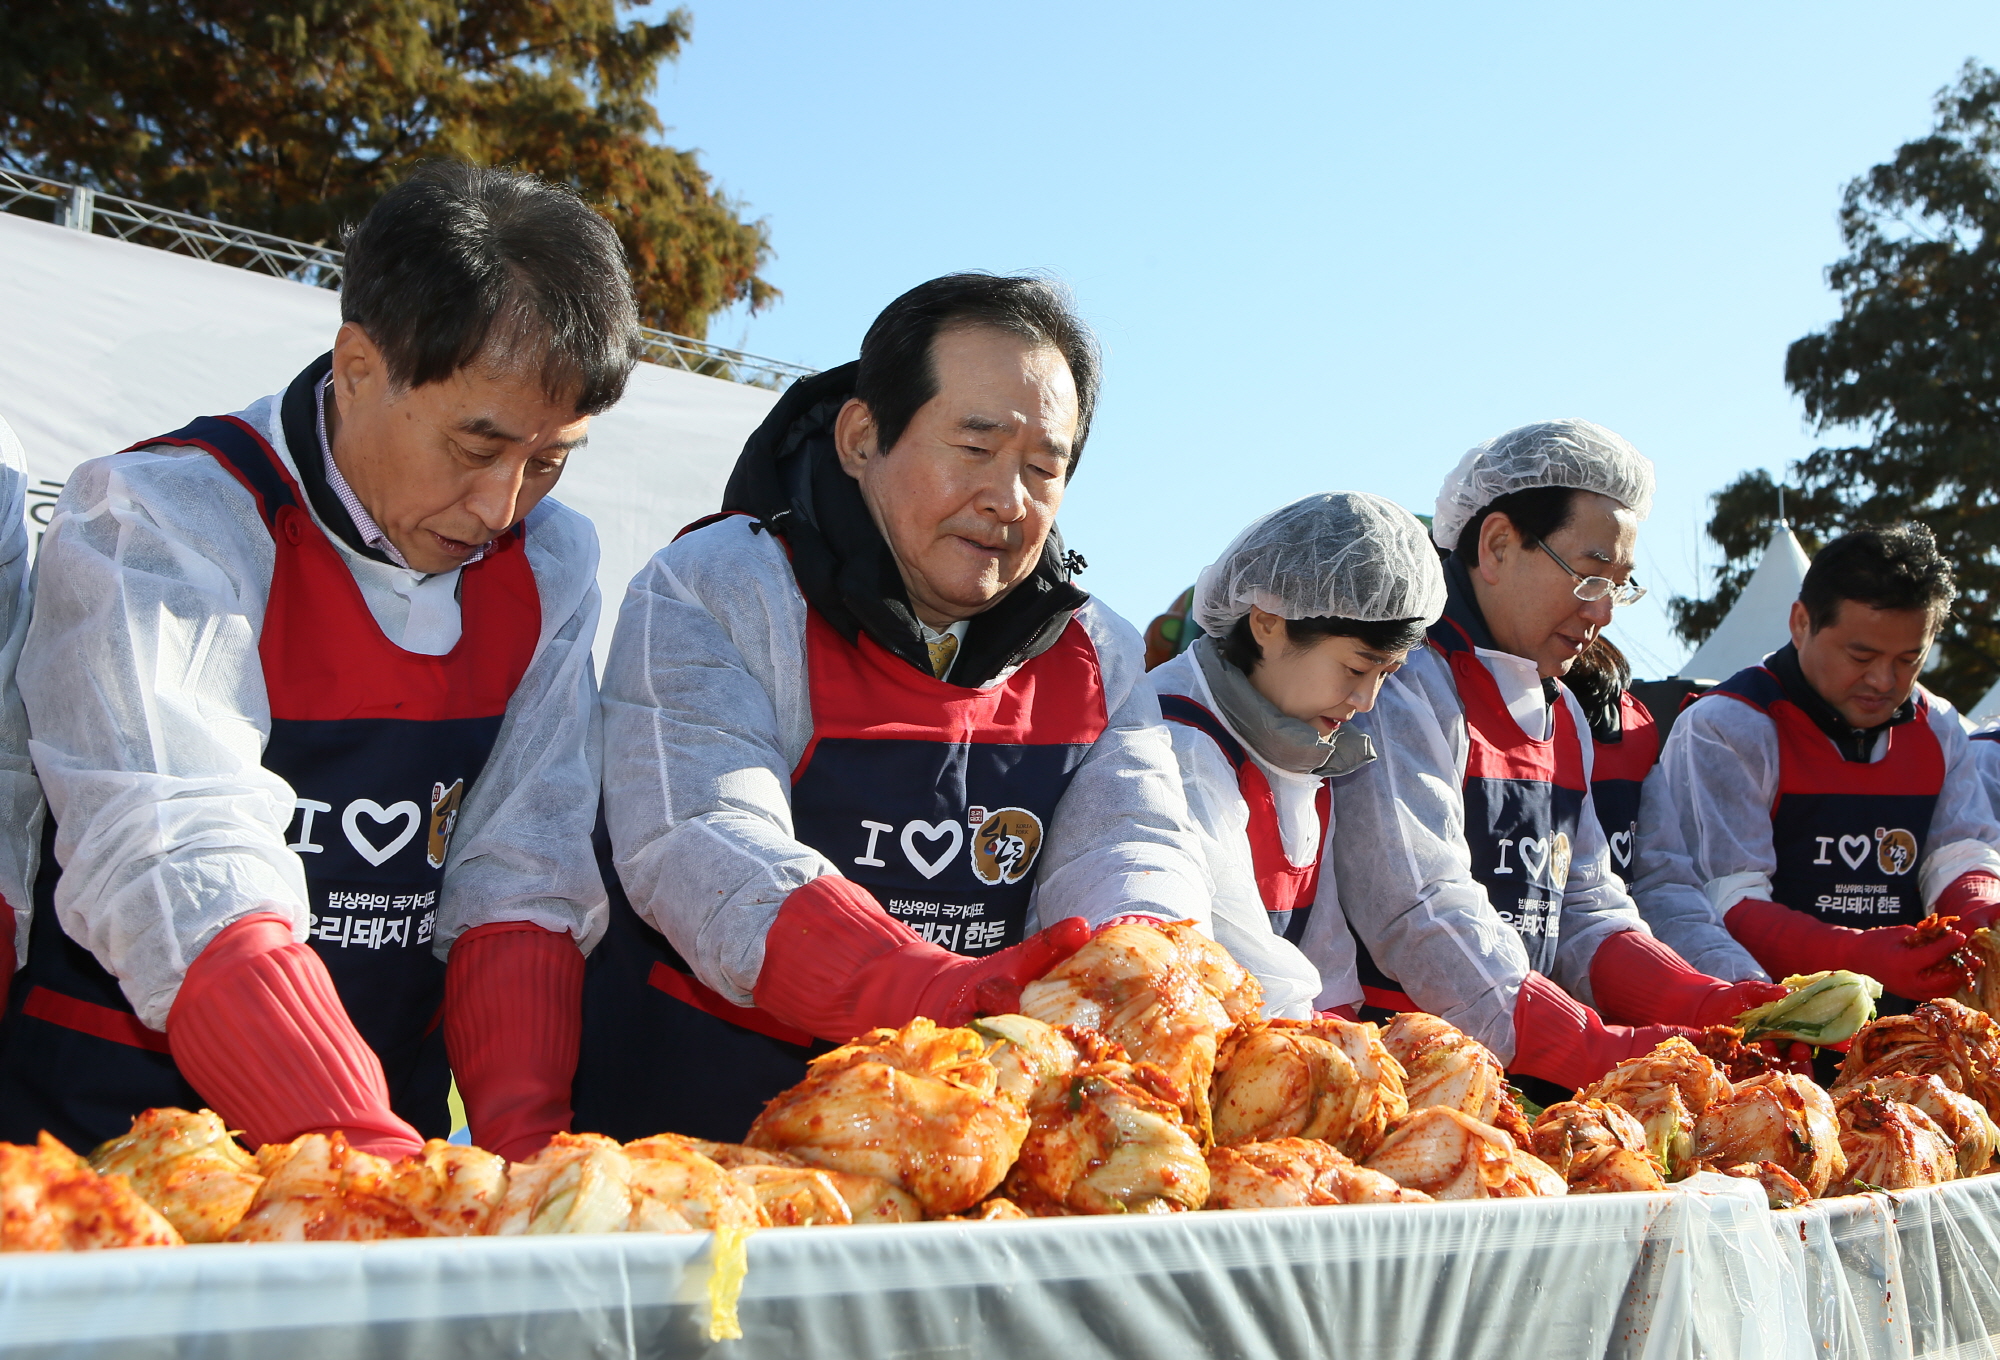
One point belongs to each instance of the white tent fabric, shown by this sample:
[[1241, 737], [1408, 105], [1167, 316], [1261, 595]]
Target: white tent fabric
[[1987, 709], [1758, 623], [103, 343]]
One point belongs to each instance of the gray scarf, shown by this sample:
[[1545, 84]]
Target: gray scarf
[[1286, 742]]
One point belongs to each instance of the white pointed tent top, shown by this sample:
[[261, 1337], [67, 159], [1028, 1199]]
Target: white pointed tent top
[[1987, 709], [1760, 621]]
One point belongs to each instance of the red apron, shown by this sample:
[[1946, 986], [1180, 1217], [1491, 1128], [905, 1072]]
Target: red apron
[[1523, 801], [1288, 889], [1619, 770], [935, 797], [381, 747]]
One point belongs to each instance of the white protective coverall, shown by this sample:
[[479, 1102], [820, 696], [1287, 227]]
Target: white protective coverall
[[1405, 869], [1986, 754], [1293, 986], [20, 794], [149, 715], [707, 713], [1705, 822]]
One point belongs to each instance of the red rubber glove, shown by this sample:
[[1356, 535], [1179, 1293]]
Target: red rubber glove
[[1559, 1039], [513, 1022], [1347, 1013], [1788, 942], [837, 965], [1973, 897], [8, 962], [1638, 980], [259, 1030]]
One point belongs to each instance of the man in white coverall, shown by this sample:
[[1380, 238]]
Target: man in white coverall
[[1472, 868], [870, 755], [1819, 805], [1303, 617], [20, 795], [311, 696]]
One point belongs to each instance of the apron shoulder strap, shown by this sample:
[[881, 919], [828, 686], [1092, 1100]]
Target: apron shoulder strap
[[1180, 709], [1755, 686], [245, 454]]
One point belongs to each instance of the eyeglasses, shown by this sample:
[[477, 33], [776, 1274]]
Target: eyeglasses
[[1590, 589]]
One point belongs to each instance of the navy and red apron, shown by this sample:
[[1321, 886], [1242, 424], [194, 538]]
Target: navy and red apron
[[935, 797], [1848, 836], [1523, 800], [380, 747], [1288, 889], [1620, 768]]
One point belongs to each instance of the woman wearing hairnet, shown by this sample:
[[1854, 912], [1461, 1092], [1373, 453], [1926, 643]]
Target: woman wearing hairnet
[[1302, 618], [1472, 868]]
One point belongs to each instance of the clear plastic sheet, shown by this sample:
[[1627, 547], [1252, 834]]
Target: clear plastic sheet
[[1915, 1273], [1585, 1277], [1643, 1276]]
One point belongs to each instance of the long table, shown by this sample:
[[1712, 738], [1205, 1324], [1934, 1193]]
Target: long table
[[1705, 1271]]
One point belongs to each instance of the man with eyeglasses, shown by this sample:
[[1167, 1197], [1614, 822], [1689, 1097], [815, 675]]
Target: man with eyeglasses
[[1820, 804], [1470, 862]]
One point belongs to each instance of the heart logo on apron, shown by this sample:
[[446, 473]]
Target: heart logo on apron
[[931, 831], [1534, 855], [382, 816], [1861, 848], [1621, 848]]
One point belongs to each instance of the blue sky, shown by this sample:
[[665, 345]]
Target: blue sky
[[1332, 246]]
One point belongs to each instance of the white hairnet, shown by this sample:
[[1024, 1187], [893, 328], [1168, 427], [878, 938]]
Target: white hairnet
[[1340, 554], [1573, 453]]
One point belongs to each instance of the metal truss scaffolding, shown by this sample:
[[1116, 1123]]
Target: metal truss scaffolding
[[84, 209]]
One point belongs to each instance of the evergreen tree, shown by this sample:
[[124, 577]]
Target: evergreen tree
[[292, 117], [1910, 375]]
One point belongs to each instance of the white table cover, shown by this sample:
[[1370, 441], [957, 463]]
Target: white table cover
[[1644, 1276]]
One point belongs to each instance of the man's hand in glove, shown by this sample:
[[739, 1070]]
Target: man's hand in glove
[[1637, 979], [1973, 897], [1789, 943]]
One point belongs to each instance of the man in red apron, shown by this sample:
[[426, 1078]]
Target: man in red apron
[[311, 692], [1825, 802], [1471, 864], [870, 754]]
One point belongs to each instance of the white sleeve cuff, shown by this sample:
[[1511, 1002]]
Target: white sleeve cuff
[[1727, 891], [1943, 866]]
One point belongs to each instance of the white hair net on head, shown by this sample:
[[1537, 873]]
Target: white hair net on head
[[1572, 453], [1340, 554]]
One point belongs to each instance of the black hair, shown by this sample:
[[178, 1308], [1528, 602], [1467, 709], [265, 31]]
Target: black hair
[[1599, 678], [1240, 649], [1897, 567], [1536, 513], [459, 261], [898, 375]]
